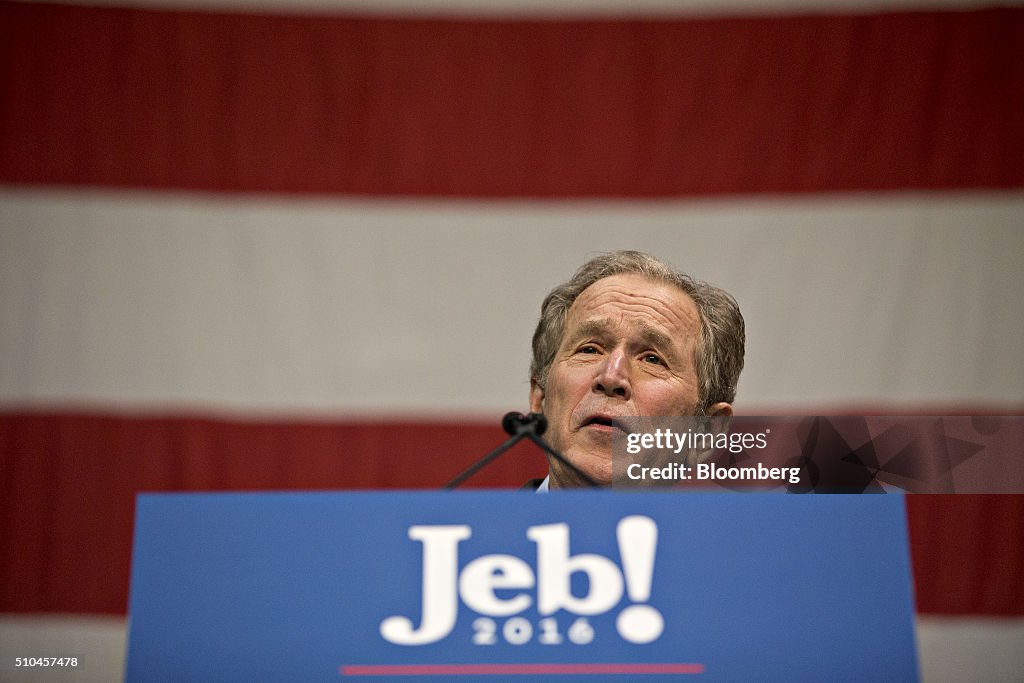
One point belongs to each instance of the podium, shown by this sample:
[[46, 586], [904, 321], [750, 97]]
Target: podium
[[487, 585]]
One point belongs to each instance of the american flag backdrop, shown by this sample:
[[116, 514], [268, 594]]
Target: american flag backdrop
[[303, 246]]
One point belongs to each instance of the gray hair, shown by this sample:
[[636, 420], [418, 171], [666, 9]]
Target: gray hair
[[719, 354]]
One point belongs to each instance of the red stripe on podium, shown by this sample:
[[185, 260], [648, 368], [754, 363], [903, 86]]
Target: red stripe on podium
[[518, 669]]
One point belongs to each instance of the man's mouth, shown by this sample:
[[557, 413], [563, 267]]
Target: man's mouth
[[598, 421]]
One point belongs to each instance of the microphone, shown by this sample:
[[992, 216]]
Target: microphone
[[514, 423], [519, 426]]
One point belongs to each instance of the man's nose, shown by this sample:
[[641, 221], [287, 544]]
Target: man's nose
[[613, 377]]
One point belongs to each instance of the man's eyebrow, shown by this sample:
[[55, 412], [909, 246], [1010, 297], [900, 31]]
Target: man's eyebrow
[[649, 336], [656, 338], [597, 327]]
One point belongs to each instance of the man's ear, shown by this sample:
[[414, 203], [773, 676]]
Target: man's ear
[[720, 410], [536, 397]]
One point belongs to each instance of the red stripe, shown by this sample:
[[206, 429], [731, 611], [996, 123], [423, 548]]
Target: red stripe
[[69, 482], [518, 669], [224, 102]]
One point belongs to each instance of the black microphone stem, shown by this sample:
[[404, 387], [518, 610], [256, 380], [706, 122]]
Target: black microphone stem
[[521, 426], [479, 464], [543, 445]]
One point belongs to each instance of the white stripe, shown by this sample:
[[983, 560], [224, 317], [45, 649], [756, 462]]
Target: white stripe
[[952, 650], [554, 8], [427, 308], [98, 642]]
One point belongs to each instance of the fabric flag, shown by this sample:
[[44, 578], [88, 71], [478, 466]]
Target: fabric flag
[[248, 247]]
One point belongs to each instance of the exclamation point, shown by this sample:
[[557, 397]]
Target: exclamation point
[[638, 540]]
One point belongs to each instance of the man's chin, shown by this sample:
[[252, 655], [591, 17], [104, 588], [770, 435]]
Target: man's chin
[[597, 467]]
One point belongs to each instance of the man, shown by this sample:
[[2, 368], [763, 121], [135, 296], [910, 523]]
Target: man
[[628, 336]]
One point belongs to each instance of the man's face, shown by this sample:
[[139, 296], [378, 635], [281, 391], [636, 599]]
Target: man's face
[[628, 350]]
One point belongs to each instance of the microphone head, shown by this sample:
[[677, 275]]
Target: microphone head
[[540, 423], [512, 422]]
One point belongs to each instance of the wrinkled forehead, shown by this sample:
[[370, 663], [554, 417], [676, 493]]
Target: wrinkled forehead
[[637, 303]]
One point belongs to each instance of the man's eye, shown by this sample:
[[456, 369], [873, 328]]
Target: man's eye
[[589, 348], [653, 358]]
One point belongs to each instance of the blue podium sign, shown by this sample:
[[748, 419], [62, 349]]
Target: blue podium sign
[[484, 586]]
